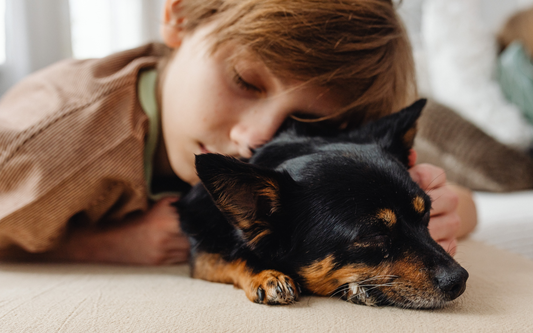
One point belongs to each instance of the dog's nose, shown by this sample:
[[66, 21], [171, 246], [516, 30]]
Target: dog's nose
[[451, 280]]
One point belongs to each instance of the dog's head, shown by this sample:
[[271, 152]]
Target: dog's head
[[344, 218]]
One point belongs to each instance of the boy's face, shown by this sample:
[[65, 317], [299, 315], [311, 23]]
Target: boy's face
[[214, 103]]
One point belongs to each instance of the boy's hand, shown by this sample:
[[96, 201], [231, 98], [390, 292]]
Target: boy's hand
[[152, 238], [160, 240], [445, 222]]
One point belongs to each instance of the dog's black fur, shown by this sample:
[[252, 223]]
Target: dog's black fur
[[328, 215]]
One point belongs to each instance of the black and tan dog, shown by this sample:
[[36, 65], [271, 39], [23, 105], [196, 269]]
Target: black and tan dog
[[329, 216]]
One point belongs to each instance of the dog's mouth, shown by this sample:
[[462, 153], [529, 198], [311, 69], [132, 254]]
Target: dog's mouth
[[354, 293], [366, 292], [390, 292]]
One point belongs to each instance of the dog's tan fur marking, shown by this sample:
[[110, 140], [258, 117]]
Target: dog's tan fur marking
[[212, 267], [271, 192], [409, 137], [419, 205], [242, 203], [254, 239], [323, 279], [387, 216], [404, 281], [414, 284]]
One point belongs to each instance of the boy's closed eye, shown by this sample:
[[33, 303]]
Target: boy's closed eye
[[247, 86], [243, 84]]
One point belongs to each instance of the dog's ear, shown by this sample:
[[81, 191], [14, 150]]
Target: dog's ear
[[395, 133], [246, 194]]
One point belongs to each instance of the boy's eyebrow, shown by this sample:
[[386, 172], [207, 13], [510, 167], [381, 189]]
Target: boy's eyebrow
[[249, 57], [258, 66]]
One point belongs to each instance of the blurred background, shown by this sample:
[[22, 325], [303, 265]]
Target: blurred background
[[37, 33]]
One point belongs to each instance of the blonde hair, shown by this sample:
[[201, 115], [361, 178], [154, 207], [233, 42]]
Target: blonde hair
[[357, 46]]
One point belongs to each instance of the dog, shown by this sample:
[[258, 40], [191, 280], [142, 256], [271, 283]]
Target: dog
[[325, 215]]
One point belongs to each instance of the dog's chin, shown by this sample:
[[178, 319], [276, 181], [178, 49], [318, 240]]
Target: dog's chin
[[373, 296], [362, 295]]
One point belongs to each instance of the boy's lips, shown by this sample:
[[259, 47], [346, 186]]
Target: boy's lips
[[205, 150]]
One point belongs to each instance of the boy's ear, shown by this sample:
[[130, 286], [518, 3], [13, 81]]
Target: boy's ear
[[171, 29], [396, 132], [246, 194]]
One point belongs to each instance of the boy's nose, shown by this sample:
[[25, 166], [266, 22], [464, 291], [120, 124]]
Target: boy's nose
[[254, 130]]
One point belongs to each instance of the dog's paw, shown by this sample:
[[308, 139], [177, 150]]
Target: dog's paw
[[273, 288]]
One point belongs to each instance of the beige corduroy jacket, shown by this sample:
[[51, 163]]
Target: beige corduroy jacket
[[71, 148]]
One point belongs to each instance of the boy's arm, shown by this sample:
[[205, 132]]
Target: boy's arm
[[151, 238]]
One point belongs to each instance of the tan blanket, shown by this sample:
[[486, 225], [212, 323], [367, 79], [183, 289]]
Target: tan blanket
[[93, 298]]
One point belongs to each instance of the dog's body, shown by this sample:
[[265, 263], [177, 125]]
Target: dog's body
[[333, 215]]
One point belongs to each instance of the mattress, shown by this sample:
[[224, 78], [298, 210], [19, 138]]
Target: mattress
[[105, 298]]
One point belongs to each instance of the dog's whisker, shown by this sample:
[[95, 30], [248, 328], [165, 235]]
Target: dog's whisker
[[344, 289], [432, 181], [377, 277], [379, 285]]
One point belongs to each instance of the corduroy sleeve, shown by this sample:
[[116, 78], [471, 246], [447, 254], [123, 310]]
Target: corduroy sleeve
[[71, 148]]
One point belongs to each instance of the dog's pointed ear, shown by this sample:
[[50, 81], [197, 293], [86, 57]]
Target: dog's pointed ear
[[246, 194], [396, 132]]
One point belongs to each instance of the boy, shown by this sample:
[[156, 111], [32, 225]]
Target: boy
[[87, 141]]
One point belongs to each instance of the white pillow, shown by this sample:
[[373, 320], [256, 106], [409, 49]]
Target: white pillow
[[460, 54], [506, 221]]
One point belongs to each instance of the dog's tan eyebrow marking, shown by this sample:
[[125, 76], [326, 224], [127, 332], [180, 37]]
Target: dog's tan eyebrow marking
[[388, 216], [419, 204]]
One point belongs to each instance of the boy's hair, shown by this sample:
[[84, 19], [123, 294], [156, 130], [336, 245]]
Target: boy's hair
[[357, 46]]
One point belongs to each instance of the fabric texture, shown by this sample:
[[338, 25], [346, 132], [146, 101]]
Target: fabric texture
[[72, 141], [102, 298], [469, 156]]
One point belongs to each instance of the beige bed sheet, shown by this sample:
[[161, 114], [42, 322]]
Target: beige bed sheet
[[96, 298]]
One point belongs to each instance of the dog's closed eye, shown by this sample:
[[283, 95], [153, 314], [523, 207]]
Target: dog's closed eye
[[372, 239]]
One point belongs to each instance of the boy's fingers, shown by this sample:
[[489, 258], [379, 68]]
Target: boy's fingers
[[428, 176], [180, 243], [171, 199], [444, 226], [443, 201], [166, 201], [176, 257]]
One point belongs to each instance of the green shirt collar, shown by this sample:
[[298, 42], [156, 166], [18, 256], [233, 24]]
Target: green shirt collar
[[146, 89]]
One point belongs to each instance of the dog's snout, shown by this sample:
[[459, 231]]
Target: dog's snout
[[451, 281]]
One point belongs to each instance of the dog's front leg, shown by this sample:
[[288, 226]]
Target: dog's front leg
[[264, 287]]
